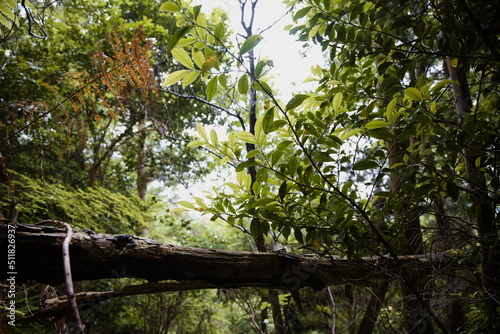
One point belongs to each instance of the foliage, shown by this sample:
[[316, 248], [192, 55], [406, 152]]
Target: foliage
[[97, 209], [393, 154], [91, 89]]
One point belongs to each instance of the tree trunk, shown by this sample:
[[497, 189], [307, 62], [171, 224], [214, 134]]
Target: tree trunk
[[485, 220], [373, 309], [99, 256], [252, 119]]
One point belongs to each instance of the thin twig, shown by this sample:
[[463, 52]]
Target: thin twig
[[334, 312], [30, 22], [208, 103], [67, 273]]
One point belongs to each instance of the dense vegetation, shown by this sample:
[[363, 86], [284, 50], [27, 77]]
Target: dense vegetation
[[395, 153]]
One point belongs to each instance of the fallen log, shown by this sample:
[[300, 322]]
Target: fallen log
[[94, 256]]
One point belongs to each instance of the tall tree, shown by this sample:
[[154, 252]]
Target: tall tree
[[95, 85]]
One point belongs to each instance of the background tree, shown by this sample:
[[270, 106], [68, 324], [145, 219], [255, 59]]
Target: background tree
[[101, 123], [84, 130]]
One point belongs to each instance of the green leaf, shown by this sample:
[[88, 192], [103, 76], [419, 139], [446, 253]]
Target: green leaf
[[275, 157], [261, 175], [349, 133], [246, 164], [452, 190], [223, 80], [11, 3], [174, 77], [252, 154], [261, 86], [285, 231], [389, 111], [177, 36], [259, 131], [278, 124], [301, 13], [382, 68], [365, 164], [255, 228], [267, 122], [188, 40], [341, 32], [214, 138], [200, 203], [196, 11], [414, 94], [437, 87], [209, 63], [384, 194], [182, 57], [422, 191], [311, 129], [243, 84], [376, 124], [298, 235], [201, 20], [368, 6], [198, 57], [196, 143], [245, 136], [264, 227], [250, 43], [211, 88], [296, 101], [189, 78], [381, 133], [259, 67], [178, 210], [169, 7], [337, 101], [220, 31], [187, 204], [201, 131], [284, 145], [293, 164], [180, 22], [282, 190], [224, 160], [264, 201]]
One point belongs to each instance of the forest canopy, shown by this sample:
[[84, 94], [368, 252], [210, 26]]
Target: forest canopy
[[366, 203]]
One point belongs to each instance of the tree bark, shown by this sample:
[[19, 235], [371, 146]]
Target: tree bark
[[373, 309], [98, 256]]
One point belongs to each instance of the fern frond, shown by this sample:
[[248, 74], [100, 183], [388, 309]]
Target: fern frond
[[6, 23], [11, 3], [7, 12]]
